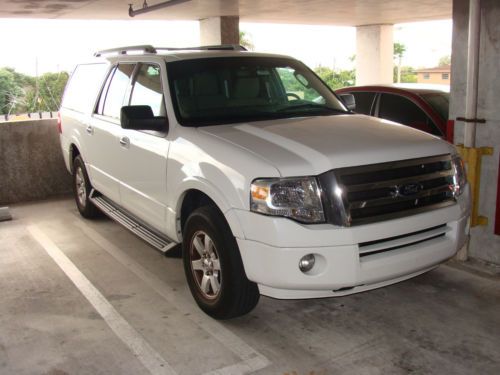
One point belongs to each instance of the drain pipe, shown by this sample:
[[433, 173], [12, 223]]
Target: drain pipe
[[472, 73], [150, 8]]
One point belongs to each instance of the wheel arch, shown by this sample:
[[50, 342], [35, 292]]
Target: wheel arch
[[195, 194], [74, 151]]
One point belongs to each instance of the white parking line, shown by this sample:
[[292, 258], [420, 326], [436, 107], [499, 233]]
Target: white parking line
[[251, 360], [130, 337]]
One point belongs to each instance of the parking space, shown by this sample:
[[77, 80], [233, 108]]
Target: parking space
[[88, 297]]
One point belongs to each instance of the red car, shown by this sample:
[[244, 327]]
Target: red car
[[422, 107]]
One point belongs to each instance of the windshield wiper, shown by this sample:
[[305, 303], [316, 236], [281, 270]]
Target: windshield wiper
[[310, 106]]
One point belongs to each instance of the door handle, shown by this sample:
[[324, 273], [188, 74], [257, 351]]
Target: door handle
[[124, 141], [89, 129]]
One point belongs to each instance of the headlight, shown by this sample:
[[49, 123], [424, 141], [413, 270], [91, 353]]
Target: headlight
[[459, 177], [296, 198]]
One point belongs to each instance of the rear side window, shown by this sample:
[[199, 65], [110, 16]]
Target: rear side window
[[148, 89], [364, 101], [400, 109], [83, 87], [117, 90]]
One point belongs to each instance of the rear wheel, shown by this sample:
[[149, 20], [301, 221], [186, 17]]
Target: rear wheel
[[82, 189], [213, 266]]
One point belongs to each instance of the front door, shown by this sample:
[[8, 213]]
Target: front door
[[143, 154]]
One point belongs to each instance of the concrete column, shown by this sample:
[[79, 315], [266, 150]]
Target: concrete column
[[374, 54], [220, 30]]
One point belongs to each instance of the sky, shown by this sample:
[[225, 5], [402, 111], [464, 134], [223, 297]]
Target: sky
[[31, 45]]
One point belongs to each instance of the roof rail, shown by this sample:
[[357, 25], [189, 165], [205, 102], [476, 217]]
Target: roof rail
[[217, 47], [123, 50], [151, 49]]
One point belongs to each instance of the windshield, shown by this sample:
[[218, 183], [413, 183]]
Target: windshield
[[225, 90], [440, 101]]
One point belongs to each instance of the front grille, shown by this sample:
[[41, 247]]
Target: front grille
[[376, 192]]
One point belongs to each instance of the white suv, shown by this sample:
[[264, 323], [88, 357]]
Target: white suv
[[251, 162]]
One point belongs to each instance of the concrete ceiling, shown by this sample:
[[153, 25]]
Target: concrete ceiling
[[332, 12]]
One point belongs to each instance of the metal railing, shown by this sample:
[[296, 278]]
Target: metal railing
[[28, 116]]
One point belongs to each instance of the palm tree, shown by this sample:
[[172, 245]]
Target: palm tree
[[399, 51]]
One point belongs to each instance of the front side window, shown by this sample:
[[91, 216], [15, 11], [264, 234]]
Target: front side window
[[400, 109], [212, 91], [147, 89], [364, 101], [117, 91]]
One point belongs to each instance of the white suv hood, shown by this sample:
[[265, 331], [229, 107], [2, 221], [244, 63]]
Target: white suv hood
[[313, 145]]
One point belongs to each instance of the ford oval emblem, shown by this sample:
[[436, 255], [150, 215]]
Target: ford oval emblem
[[409, 189]]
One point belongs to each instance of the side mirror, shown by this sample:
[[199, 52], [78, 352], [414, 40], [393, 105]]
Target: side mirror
[[349, 101], [141, 117]]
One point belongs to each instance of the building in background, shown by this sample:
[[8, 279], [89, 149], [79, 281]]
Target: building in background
[[440, 74]]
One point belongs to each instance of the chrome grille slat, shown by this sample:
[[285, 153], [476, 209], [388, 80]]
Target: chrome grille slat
[[405, 180], [389, 200], [402, 241]]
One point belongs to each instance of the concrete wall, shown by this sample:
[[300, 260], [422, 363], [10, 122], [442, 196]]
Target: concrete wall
[[31, 162], [484, 243]]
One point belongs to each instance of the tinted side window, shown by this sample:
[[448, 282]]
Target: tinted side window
[[400, 109], [147, 89], [115, 96], [364, 101], [83, 87]]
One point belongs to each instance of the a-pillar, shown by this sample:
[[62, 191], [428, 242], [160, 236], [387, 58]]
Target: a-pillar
[[220, 30], [374, 54]]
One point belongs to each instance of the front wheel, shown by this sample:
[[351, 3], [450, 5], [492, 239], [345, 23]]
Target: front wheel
[[213, 266]]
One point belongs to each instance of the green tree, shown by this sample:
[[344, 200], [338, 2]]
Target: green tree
[[13, 88], [445, 60], [408, 74], [20, 93], [336, 79], [399, 51], [246, 40]]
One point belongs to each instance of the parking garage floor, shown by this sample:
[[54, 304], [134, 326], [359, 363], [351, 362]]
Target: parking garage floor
[[88, 297]]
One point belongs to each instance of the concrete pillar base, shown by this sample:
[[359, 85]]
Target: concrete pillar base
[[374, 54], [220, 30]]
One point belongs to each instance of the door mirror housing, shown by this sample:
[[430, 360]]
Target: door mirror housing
[[349, 101], [141, 117]]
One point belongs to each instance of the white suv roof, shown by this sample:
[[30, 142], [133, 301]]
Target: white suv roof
[[175, 54]]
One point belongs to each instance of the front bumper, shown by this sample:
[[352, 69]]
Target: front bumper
[[272, 248]]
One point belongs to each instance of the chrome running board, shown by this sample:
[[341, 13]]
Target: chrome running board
[[119, 215]]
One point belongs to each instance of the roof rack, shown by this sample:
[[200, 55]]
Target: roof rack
[[123, 50], [218, 47], [151, 49]]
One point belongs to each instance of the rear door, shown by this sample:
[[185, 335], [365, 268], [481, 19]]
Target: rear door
[[400, 109], [104, 132]]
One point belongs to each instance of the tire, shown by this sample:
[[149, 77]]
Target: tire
[[213, 266], [82, 189]]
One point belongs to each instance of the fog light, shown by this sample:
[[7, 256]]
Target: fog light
[[307, 263]]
